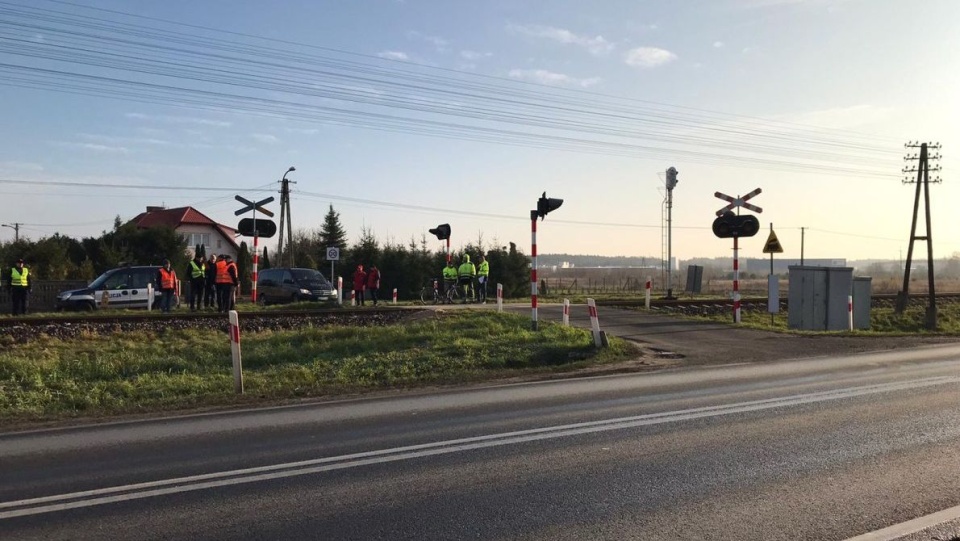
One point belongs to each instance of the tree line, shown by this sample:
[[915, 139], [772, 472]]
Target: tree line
[[406, 267]]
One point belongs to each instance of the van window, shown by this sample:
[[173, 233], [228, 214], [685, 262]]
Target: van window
[[141, 277], [118, 280], [287, 278]]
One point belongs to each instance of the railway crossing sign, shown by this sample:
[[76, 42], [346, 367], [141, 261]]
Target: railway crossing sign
[[738, 202], [256, 207], [773, 244]]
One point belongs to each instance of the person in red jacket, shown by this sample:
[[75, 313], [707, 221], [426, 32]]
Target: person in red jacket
[[373, 283], [359, 282]]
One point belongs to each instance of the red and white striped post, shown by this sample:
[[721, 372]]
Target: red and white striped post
[[235, 352], [533, 269], [566, 312], [394, 295], [256, 261], [340, 290], [648, 287], [850, 312], [736, 280], [448, 250], [594, 322], [499, 297], [353, 297]]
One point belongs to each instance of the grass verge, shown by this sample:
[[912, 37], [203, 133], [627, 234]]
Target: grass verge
[[141, 372]]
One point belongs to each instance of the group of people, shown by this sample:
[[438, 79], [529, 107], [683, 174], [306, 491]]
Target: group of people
[[366, 280], [212, 283], [472, 279]]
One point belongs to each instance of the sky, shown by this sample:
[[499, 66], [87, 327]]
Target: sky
[[405, 114]]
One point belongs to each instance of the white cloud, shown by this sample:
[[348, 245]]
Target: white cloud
[[96, 147], [265, 138], [596, 45], [179, 120], [439, 43], [546, 77], [474, 55], [718, 44], [393, 55], [648, 57], [304, 131]]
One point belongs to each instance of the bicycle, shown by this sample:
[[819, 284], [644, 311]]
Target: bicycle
[[433, 294]]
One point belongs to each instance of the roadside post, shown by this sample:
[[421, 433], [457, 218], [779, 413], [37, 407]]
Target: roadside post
[[340, 290], [394, 295], [771, 247], [595, 323], [648, 287], [353, 297], [255, 228], [235, 352], [333, 254], [566, 312], [149, 297], [850, 312], [727, 225], [499, 297]]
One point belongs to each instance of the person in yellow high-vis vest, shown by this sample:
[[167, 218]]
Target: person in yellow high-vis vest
[[19, 287], [198, 277]]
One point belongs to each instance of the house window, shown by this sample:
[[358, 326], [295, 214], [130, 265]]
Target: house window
[[219, 244], [194, 239]]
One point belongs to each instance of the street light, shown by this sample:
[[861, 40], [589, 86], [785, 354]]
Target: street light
[[16, 230], [285, 216]]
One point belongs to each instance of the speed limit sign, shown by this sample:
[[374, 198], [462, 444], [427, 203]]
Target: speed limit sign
[[333, 254]]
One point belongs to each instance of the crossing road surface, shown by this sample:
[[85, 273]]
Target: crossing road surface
[[827, 448]]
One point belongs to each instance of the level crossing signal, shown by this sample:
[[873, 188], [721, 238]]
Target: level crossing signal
[[442, 231], [730, 225], [545, 205]]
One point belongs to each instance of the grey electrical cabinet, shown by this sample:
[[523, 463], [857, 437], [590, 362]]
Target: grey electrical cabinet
[[694, 279], [861, 302], [817, 298]]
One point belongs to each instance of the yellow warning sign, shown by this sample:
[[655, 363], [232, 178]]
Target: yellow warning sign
[[773, 244]]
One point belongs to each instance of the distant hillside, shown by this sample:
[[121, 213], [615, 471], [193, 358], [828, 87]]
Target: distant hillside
[[598, 260]]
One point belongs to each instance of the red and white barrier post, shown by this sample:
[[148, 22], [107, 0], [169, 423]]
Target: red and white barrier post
[[149, 297], [394, 295], [566, 312], [235, 351], [340, 290], [850, 312], [353, 297], [736, 280], [499, 297], [256, 261], [594, 322], [533, 269], [648, 287]]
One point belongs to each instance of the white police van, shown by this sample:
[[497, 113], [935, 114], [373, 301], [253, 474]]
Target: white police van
[[124, 287]]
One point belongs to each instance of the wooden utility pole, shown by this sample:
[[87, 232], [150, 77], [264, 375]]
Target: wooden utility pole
[[285, 220], [923, 182]]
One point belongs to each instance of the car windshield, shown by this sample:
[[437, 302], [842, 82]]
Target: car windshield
[[308, 277], [98, 282]]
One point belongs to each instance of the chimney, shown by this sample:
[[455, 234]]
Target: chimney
[[154, 209]]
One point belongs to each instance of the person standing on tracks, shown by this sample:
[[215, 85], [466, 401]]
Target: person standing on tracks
[[359, 282], [449, 278], [373, 283], [467, 272], [19, 287], [167, 282], [196, 270], [224, 281], [483, 276], [210, 286]]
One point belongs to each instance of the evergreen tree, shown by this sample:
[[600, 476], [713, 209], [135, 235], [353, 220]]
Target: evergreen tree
[[332, 234], [265, 260], [244, 266]]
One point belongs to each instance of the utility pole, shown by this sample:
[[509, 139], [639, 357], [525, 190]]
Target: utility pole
[[16, 230], [671, 184], [285, 218], [803, 231], [923, 183]]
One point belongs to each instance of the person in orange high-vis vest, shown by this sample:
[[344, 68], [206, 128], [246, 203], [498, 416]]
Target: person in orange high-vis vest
[[167, 282], [223, 282]]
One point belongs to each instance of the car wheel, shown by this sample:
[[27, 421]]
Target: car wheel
[[88, 307], [262, 300]]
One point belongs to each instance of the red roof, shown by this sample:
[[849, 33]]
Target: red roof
[[174, 218]]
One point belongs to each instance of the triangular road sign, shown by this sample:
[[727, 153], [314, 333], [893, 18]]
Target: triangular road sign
[[773, 244]]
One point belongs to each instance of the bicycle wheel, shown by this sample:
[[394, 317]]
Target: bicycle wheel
[[429, 295]]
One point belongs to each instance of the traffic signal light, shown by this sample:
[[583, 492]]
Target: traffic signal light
[[730, 225], [442, 231], [672, 178], [546, 205]]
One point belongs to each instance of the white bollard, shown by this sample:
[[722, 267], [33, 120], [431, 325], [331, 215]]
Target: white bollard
[[594, 322], [394, 295], [235, 351], [149, 297], [649, 286], [499, 297], [353, 297], [340, 290], [566, 312], [850, 312]]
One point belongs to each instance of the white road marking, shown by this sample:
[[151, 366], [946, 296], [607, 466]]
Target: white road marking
[[910, 527], [89, 498]]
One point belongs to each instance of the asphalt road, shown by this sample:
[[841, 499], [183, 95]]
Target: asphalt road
[[826, 448]]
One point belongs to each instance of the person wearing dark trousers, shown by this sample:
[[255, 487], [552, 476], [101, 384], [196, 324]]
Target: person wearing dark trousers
[[167, 281], [226, 280], [19, 287], [196, 270], [373, 283], [483, 276], [359, 283], [210, 288]]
